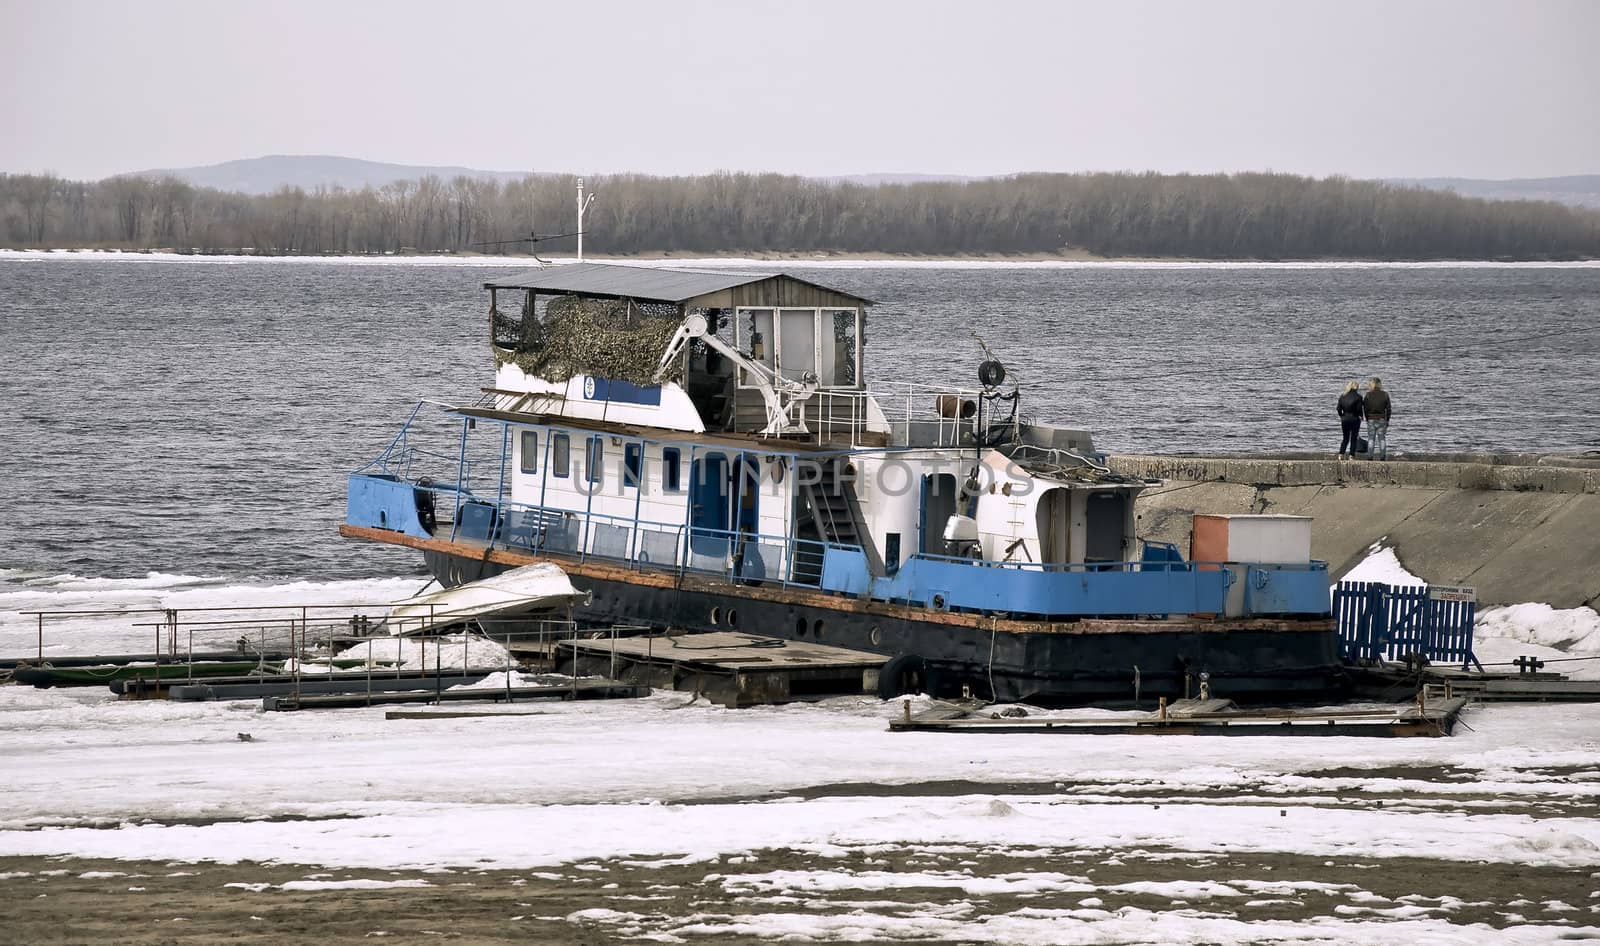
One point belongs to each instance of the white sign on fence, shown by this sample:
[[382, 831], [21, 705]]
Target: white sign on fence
[[1452, 593]]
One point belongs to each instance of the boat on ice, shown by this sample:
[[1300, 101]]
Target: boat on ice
[[703, 450], [541, 586]]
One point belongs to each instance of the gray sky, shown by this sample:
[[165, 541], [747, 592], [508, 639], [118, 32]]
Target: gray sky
[[1367, 89]]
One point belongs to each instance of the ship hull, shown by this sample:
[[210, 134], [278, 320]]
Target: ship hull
[[1099, 661]]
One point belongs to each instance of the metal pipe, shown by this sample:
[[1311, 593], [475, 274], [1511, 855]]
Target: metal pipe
[[461, 480]]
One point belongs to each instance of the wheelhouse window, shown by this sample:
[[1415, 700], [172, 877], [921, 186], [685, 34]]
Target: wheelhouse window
[[671, 469], [561, 455], [632, 464], [797, 343], [594, 462], [530, 451], [839, 355]]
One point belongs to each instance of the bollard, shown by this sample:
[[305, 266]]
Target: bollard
[[1161, 709], [905, 707]]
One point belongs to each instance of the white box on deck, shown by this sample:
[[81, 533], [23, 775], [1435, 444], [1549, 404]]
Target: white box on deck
[[1273, 540]]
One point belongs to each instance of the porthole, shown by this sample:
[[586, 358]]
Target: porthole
[[733, 618], [816, 629], [875, 637], [716, 615], [799, 627]]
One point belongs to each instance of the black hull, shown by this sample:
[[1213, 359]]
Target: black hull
[[1106, 666]]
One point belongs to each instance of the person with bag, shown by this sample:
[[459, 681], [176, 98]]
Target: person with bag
[[1378, 409], [1352, 408]]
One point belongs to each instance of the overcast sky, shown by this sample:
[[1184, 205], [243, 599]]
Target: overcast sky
[[1367, 89]]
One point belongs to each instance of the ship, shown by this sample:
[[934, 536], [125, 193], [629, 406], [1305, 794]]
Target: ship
[[704, 451]]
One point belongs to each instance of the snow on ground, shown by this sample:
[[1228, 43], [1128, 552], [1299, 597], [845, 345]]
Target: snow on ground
[[672, 780], [1381, 564], [1576, 630], [118, 615], [449, 652]]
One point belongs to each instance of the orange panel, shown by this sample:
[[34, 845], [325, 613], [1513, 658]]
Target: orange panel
[[1209, 540]]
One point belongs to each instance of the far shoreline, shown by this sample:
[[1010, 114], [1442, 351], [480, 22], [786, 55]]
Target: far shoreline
[[815, 260]]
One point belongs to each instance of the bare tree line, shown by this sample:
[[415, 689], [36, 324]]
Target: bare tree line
[[1239, 216]]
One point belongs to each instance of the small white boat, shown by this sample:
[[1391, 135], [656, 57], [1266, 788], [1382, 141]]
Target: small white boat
[[538, 587]]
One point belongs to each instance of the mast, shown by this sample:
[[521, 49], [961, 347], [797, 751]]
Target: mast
[[583, 204]]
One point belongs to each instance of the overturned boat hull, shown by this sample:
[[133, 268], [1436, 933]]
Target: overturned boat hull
[[504, 593]]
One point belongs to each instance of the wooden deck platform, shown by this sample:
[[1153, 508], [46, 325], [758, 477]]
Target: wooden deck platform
[[731, 668], [1391, 681], [1198, 718], [1526, 688], [582, 690]]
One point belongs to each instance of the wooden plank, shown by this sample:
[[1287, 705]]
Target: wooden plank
[[460, 714], [1434, 720], [728, 650], [580, 691], [1185, 708]]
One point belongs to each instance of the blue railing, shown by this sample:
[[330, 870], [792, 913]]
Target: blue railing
[[381, 501], [1090, 589], [401, 459]]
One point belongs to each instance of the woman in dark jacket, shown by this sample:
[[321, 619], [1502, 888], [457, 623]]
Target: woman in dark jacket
[[1351, 410]]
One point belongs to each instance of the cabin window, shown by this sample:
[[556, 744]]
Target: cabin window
[[671, 466], [594, 462], [839, 355], [561, 455], [796, 343], [530, 451], [754, 337], [632, 464]]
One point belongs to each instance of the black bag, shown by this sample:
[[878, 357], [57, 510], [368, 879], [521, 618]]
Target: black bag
[[1362, 446]]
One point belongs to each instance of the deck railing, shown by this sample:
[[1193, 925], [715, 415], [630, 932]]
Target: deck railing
[[922, 415], [736, 555]]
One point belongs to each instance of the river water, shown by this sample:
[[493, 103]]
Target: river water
[[197, 417]]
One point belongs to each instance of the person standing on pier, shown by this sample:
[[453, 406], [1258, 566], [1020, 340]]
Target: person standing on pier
[[1351, 409], [1378, 409]]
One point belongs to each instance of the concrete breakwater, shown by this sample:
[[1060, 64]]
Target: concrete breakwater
[[1517, 527]]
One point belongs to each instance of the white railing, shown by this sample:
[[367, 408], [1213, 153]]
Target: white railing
[[924, 415]]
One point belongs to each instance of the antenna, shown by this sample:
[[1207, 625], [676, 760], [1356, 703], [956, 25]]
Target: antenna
[[583, 205]]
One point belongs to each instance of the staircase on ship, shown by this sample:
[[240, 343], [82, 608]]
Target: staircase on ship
[[831, 512]]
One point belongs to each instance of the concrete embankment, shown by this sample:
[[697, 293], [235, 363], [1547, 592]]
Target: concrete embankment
[[1517, 527]]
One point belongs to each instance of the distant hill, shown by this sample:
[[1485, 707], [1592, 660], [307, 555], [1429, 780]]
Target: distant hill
[[872, 180], [1579, 190], [310, 171]]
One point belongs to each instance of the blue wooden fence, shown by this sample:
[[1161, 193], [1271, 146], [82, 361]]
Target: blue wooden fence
[[1378, 621]]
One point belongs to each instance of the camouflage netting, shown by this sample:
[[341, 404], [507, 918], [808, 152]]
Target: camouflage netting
[[607, 338]]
